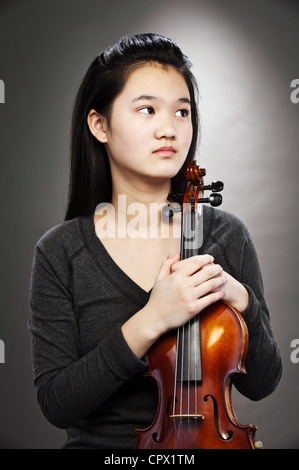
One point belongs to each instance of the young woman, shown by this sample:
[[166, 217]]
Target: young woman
[[105, 286]]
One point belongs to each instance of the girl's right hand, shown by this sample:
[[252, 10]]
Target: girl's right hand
[[183, 288]]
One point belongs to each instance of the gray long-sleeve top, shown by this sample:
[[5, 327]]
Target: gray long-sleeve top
[[88, 380]]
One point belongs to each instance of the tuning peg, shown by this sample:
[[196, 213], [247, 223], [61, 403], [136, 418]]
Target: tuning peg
[[214, 199], [215, 186]]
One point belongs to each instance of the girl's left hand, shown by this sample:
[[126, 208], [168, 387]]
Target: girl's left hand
[[235, 293]]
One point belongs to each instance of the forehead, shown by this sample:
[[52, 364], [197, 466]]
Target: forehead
[[164, 82]]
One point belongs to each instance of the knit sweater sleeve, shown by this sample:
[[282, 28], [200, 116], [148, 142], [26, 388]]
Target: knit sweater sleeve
[[70, 385], [263, 361]]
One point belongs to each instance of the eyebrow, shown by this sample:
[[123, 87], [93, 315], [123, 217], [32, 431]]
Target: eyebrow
[[155, 98]]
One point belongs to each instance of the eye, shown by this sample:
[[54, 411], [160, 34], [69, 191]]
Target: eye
[[147, 110], [182, 113]]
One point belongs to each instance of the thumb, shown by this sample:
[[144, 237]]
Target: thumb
[[165, 269]]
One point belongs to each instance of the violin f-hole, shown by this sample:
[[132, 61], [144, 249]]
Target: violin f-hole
[[155, 435], [229, 434]]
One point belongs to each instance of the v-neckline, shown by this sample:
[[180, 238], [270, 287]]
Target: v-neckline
[[108, 266]]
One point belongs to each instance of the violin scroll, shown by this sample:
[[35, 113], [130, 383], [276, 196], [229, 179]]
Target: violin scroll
[[194, 194]]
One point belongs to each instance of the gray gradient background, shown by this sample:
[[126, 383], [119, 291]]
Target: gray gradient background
[[245, 55]]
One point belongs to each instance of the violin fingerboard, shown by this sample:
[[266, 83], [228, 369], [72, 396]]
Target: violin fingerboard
[[189, 352]]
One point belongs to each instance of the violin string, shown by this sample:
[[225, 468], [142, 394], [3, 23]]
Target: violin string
[[189, 355], [182, 370], [175, 387], [189, 363], [195, 376], [181, 385], [196, 334], [176, 372], [189, 376]]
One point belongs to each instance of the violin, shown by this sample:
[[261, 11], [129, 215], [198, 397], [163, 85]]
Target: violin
[[194, 366]]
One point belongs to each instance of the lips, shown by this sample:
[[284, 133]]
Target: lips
[[165, 151]]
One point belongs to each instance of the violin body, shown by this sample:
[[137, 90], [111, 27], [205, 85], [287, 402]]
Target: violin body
[[206, 419], [194, 366]]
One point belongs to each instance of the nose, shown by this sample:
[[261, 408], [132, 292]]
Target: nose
[[165, 129]]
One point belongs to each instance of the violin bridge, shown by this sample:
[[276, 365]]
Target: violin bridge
[[187, 416]]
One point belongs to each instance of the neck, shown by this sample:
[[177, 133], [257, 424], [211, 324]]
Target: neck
[[137, 210], [143, 194]]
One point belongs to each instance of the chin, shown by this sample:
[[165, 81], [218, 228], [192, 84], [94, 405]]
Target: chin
[[171, 164], [163, 169]]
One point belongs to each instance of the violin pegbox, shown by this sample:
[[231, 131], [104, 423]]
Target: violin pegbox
[[193, 196], [195, 190]]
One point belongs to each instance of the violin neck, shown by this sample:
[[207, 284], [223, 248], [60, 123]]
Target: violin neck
[[188, 338], [191, 232]]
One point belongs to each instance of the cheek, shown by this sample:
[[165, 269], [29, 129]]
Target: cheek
[[187, 138], [126, 145], [130, 130], [135, 139]]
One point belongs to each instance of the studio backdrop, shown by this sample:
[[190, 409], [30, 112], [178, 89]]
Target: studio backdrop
[[245, 58]]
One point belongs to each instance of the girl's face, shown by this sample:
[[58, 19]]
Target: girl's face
[[150, 128]]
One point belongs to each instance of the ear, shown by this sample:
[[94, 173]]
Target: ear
[[97, 125]]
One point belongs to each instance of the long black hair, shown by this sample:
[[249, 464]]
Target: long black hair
[[90, 176]]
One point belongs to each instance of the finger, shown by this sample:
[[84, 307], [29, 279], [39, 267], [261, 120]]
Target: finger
[[207, 272], [208, 300], [166, 266], [191, 265], [211, 285]]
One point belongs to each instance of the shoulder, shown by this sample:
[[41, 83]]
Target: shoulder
[[223, 224], [228, 239], [65, 237]]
